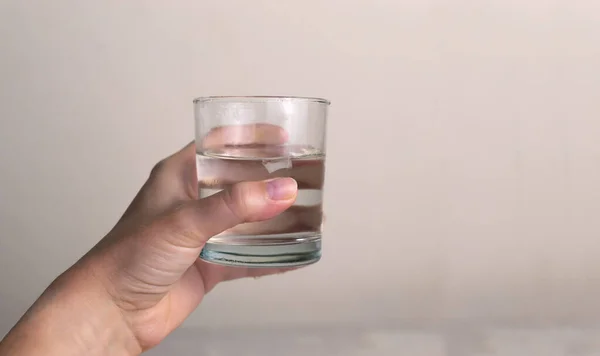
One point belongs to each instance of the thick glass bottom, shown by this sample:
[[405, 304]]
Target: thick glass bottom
[[284, 250]]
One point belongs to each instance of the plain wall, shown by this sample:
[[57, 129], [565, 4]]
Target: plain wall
[[463, 175]]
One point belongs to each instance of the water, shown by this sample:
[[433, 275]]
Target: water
[[292, 238]]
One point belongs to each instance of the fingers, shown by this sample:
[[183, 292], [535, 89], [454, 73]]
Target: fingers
[[175, 177], [294, 219], [182, 162], [308, 173], [241, 135], [197, 221]]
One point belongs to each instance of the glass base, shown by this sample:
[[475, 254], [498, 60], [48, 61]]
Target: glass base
[[263, 251]]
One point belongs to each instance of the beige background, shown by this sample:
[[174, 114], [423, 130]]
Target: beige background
[[464, 146]]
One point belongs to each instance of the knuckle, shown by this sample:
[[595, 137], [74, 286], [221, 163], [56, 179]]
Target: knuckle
[[158, 168]]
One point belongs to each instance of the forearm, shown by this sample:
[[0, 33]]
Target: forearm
[[72, 317]]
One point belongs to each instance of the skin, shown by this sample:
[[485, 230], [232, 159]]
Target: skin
[[144, 277]]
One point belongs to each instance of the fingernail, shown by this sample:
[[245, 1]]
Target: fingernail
[[282, 188]]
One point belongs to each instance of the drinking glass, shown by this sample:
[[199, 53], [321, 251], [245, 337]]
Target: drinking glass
[[256, 138]]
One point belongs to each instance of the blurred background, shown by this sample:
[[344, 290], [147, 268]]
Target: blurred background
[[462, 198]]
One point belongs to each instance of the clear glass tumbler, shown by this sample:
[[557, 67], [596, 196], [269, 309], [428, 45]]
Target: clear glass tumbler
[[257, 138]]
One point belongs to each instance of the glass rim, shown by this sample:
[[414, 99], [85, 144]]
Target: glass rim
[[258, 98]]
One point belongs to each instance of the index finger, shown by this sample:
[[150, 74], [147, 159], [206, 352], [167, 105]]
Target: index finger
[[245, 135]]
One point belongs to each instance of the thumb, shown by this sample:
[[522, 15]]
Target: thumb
[[195, 222], [156, 257]]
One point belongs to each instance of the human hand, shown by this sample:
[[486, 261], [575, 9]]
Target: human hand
[[144, 278]]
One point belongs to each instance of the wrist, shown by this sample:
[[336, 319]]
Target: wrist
[[74, 316]]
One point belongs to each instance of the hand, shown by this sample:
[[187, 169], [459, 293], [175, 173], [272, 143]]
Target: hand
[[144, 278]]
